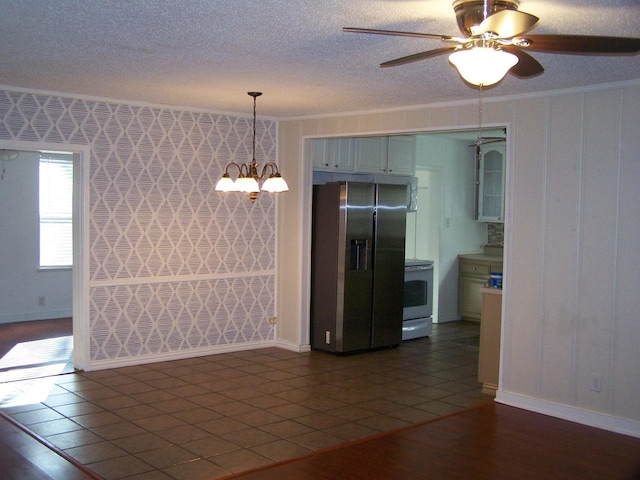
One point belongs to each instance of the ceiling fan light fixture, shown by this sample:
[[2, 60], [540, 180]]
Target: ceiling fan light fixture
[[482, 65]]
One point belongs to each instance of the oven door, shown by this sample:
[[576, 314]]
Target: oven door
[[418, 292]]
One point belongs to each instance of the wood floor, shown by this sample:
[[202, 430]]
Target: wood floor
[[35, 349], [490, 441], [24, 456], [12, 334]]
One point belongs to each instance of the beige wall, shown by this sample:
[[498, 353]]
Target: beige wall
[[572, 253]]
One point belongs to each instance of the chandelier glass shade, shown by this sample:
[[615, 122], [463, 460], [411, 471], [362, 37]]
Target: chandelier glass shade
[[249, 174], [483, 66]]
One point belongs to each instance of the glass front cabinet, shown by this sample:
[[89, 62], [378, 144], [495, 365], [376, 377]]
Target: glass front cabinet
[[490, 182]]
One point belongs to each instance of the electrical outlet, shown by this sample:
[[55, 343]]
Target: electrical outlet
[[596, 382], [41, 301], [327, 337], [272, 320]]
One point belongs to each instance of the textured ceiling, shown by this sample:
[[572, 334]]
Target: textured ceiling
[[209, 53]]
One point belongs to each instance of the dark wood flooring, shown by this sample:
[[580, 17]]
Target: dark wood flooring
[[25, 456], [490, 441], [13, 333]]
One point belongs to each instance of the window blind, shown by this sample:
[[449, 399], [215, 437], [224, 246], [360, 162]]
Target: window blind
[[56, 209]]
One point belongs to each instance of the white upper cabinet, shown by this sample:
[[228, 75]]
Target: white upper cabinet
[[383, 155], [491, 180], [371, 154], [393, 155], [333, 154], [402, 155]]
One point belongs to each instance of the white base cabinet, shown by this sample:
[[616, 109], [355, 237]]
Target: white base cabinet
[[474, 273]]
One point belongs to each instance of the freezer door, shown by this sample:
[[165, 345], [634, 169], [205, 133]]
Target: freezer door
[[388, 257], [324, 266]]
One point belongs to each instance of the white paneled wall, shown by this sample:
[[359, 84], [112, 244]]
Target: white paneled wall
[[572, 243], [175, 268], [561, 346], [625, 335]]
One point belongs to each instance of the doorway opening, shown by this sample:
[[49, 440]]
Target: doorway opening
[[446, 222], [44, 307]]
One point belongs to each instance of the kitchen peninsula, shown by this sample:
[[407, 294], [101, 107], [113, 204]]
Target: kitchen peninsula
[[490, 327], [474, 273]]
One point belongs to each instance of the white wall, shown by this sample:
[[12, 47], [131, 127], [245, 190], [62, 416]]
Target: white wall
[[22, 283], [571, 242], [459, 231], [424, 229]]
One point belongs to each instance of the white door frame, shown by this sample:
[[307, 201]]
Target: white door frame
[[80, 272]]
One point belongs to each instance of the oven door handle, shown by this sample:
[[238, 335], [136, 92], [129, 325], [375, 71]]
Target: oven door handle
[[420, 268]]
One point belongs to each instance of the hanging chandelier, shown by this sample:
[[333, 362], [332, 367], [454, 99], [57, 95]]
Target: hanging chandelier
[[248, 180]]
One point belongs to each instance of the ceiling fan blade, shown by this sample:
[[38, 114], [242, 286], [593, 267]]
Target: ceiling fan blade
[[402, 34], [527, 66], [418, 56], [507, 23], [580, 44]]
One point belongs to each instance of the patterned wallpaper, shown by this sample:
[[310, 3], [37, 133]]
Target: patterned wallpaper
[[174, 266]]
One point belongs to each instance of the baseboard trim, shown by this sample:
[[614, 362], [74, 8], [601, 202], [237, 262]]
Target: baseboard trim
[[35, 316], [201, 352], [166, 357], [292, 346], [574, 414]]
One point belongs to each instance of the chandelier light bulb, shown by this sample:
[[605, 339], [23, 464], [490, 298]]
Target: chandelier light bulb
[[275, 184], [225, 184]]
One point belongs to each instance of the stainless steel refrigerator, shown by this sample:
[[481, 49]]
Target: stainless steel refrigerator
[[357, 271]]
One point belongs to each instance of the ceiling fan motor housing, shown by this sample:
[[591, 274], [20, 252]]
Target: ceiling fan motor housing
[[470, 13]]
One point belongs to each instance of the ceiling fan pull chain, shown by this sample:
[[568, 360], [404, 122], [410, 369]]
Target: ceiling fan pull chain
[[480, 114]]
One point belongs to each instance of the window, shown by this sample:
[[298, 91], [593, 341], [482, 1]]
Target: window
[[56, 210]]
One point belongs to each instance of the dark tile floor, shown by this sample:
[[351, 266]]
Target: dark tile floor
[[208, 417]]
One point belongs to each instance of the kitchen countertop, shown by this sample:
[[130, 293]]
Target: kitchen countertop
[[479, 256], [491, 291]]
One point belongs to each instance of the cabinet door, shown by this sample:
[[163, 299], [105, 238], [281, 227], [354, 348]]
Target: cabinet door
[[320, 158], [333, 154], [491, 183], [371, 154], [469, 296], [402, 155], [344, 154]]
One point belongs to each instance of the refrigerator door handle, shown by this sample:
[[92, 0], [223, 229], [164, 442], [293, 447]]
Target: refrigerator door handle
[[359, 254]]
